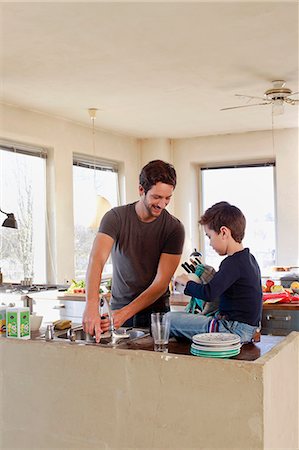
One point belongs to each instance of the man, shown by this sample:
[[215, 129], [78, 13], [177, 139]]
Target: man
[[145, 243]]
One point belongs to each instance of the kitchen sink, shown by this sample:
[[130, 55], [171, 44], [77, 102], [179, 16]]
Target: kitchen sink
[[78, 335]]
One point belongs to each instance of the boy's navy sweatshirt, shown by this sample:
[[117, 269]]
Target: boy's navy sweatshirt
[[238, 285]]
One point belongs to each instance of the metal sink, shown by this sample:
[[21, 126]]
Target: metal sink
[[79, 336]]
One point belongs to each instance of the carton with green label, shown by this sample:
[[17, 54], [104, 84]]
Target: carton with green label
[[2, 321], [18, 323]]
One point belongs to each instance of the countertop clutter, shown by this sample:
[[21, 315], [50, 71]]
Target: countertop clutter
[[249, 352]]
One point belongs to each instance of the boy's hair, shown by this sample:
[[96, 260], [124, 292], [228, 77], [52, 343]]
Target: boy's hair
[[157, 171], [223, 214]]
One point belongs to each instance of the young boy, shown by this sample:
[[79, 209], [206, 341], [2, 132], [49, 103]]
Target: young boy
[[237, 283]]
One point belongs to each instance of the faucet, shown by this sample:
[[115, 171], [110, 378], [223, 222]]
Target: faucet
[[115, 336], [28, 302]]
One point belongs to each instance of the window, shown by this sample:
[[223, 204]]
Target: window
[[23, 193], [250, 188], [95, 184]]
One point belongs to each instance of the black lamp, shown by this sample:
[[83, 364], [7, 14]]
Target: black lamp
[[10, 221]]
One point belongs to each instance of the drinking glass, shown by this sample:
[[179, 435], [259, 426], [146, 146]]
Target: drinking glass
[[160, 324]]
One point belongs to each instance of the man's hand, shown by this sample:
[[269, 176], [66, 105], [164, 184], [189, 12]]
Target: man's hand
[[119, 317], [92, 322]]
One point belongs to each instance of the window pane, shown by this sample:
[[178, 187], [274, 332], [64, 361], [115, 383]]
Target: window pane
[[252, 190], [87, 185], [23, 192]]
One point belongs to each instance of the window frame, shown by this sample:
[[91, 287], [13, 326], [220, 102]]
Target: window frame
[[95, 163], [42, 153], [236, 165]]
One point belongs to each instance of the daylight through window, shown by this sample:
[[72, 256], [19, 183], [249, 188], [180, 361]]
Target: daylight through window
[[250, 188], [23, 193], [95, 188]]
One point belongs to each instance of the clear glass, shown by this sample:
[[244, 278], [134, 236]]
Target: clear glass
[[252, 190], [23, 193], [160, 327], [87, 184]]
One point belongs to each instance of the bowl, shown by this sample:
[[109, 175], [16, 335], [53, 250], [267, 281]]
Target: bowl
[[35, 322]]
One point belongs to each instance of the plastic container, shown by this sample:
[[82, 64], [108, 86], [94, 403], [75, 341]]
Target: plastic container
[[18, 323], [2, 321]]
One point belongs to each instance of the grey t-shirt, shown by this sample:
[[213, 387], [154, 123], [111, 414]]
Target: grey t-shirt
[[137, 249]]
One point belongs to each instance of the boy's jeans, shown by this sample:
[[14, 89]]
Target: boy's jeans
[[187, 325]]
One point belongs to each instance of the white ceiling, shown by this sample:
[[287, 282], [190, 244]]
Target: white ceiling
[[153, 69]]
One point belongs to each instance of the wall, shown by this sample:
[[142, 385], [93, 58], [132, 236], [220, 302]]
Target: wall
[[281, 396], [158, 149], [62, 396], [62, 138], [189, 154]]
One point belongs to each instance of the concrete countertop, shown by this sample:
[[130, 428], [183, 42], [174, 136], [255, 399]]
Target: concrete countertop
[[94, 397], [249, 352]]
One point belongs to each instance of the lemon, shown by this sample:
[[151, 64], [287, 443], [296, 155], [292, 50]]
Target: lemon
[[295, 285], [277, 288]]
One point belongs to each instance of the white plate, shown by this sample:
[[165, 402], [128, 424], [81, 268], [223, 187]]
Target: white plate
[[216, 349], [216, 339]]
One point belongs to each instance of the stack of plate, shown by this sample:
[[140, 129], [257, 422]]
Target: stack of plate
[[216, 345]]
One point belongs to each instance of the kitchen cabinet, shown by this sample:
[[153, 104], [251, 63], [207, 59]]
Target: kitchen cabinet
[[49, 305], [59, 309], [280, 319]]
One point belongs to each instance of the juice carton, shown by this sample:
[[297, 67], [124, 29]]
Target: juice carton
[[2, 321], [18, 323]]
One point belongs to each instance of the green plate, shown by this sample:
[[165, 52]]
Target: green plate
[[223, 354]]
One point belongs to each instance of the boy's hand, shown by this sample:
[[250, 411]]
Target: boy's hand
[[182, 279]]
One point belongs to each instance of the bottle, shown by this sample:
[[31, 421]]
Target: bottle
[[1, 277]]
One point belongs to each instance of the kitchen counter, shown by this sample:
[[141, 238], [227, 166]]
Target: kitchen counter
[[277, 318], [183, 300], [95, 397], [249, 352]]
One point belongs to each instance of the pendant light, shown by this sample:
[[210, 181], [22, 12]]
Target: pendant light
[[102, 204]]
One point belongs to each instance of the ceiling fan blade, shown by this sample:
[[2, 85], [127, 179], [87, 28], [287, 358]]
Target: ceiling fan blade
[[290, 101], [249, 96], [244, 106]]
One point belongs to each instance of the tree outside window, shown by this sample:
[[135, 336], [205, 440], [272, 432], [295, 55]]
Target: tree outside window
[[88, 183], [23, 250]]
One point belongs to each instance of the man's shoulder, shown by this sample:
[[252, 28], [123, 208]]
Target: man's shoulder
[[171, 218], [173, 224], [123, 209]]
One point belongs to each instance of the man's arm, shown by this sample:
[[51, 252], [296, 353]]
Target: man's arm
[[101, 249], [166, 268]]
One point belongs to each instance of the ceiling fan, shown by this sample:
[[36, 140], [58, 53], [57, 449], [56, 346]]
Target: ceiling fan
[[276, 96]]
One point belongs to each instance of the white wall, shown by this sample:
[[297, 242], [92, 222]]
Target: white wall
[[62, 138], [158, 149]]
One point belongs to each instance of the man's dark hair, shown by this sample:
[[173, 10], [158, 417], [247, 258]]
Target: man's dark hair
[[157, 171], [223, 214]]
